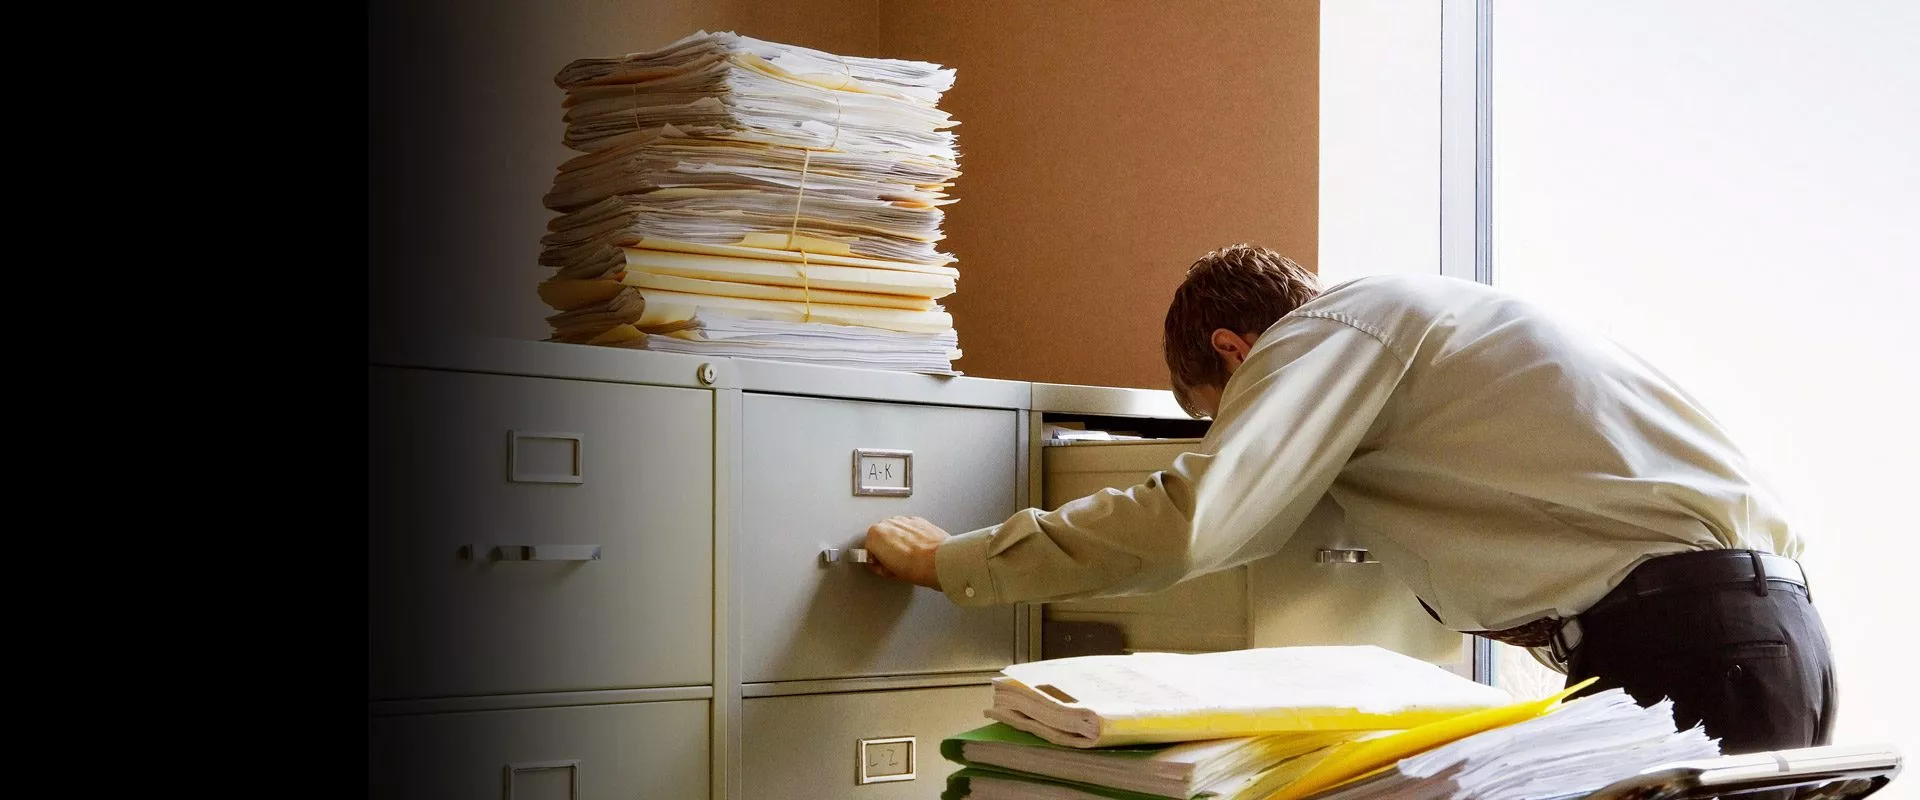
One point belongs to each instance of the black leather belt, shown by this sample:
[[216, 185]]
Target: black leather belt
[[1701, 569]]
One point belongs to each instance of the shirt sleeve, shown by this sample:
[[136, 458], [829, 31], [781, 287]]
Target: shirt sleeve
[[1291, 416]]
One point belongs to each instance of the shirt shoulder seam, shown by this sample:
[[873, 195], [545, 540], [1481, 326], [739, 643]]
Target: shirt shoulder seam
[[1343, 318]]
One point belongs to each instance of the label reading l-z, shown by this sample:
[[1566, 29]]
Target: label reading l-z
[[887, 760]]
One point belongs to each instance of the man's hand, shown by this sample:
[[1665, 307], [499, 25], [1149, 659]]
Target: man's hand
[[902, 548]]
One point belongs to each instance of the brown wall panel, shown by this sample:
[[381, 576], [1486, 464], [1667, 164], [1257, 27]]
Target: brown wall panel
[[1105, 146]]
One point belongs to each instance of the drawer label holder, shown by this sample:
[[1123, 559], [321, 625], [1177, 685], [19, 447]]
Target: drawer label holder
[[887, 760], [882, 473]]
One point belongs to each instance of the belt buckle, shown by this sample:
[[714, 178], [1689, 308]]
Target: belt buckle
[[1565, 637]]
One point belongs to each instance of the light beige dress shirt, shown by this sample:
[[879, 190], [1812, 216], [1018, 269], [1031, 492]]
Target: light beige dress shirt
[[1503, 463]]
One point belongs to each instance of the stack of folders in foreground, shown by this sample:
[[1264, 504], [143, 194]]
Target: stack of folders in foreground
[[737, 197], [1292, 723]]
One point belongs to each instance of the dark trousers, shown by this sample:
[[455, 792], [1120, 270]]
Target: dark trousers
[[1751, 662]]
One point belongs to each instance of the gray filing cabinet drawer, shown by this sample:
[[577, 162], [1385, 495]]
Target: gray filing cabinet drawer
[[564, 467], [810, 747], [803, 617], [603, 752]]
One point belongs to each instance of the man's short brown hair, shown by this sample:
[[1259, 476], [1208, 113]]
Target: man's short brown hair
[[1243, 288]]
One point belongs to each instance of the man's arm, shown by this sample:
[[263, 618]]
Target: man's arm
[[1291, 417]]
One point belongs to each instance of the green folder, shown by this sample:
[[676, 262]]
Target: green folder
[[1001, 732], [959, 785]]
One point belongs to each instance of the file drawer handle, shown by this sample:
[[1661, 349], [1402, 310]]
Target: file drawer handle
[[1354, 556], [854, 555], [532, 552]]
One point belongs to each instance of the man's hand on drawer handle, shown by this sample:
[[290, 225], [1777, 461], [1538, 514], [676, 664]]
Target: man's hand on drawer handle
[[903, 547]]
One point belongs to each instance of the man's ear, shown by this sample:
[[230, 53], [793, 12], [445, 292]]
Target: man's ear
[[1231, 347]]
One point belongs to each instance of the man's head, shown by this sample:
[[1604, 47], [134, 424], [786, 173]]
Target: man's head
[[1229, 298]]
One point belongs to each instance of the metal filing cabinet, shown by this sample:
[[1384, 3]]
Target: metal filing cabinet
[[541, 573], [598, 573]]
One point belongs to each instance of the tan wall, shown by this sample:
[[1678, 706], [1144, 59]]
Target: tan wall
[[1104, 145]]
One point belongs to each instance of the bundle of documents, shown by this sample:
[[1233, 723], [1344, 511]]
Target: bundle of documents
[[1580, 747], [1101, 701], [1273, 724], [1002, 762], [728, 178], [713, 332]]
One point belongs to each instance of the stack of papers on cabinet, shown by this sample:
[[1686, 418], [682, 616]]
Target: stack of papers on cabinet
[[728, 177], [712, 332], [1195, 731]]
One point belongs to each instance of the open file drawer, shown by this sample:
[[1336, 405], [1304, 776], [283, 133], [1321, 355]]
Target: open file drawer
[[816, 474], [1204, 614], [1311, 592]]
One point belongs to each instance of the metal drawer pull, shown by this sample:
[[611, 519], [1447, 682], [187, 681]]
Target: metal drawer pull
[[534, 552], [854, 555], [1355, 556]]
